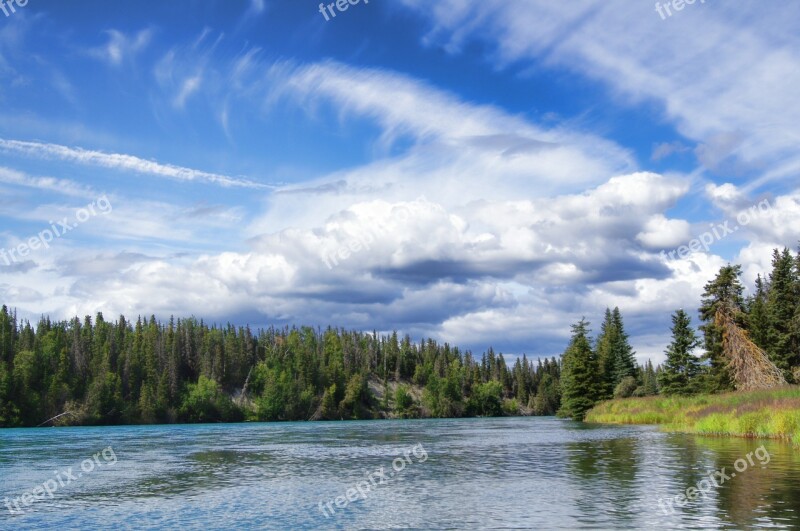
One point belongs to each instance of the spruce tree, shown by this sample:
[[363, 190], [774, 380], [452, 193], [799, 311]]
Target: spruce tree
[[649, 380], [758, 322], [605, 356], [580, 368], [623, 354], [725, 291], [782, 302], [614, 353], [680, 371]]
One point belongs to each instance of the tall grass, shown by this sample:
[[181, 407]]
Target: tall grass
[[773, 413]]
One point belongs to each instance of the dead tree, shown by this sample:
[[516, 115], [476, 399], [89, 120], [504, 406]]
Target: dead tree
[[749, 364]]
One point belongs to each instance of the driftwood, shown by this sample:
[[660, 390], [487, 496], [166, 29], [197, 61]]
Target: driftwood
[[54, 418], [749, 364], [243, 396]]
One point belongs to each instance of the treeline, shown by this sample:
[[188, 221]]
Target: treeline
[[770, 317], [99, 372], [93, 371]]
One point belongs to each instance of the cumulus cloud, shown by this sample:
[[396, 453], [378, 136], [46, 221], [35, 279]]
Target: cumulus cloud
[[769, 221], [511, 230], [462, 273], [662, 233]]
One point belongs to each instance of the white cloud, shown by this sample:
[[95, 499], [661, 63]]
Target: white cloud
[[666, 149], [724, 74], [188, 87], [120, 47], [662, 233], [123, 162], [51, 184], [771, 222], [464, 274]]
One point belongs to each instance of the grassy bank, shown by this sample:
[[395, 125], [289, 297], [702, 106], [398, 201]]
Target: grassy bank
[[771, 414]]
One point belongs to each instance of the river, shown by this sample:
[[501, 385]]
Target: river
[[510, 473]]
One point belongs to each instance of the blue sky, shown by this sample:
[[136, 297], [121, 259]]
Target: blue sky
[[480, 172]]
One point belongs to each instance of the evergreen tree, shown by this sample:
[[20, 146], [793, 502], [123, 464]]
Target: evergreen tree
[[605, 355], [725, 291], [579, 386], [783, 345], [623, 354], [548, 396], [649, 380], [614, 353], [758, 319], [680, 371]]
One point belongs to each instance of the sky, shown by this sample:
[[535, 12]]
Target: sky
[[483, 173]]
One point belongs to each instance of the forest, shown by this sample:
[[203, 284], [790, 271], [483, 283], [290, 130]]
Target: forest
[[99, 372], [768, 320]]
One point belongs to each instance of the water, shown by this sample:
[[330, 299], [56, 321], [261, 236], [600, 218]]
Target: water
[[510, 473]]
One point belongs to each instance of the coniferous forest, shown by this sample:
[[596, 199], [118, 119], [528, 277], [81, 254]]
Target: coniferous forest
[[94, 371]]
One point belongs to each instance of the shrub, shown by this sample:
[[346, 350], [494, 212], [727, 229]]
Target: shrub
[[625, 388], [511, 406], [403, 401]]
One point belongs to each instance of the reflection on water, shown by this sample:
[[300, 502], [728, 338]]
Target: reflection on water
[[480, 473]]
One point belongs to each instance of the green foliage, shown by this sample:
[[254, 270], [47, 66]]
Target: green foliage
[[758, 319], [782, 309], [329, 409], [487, 400], [103, 372], [770, 413], [580, 389], [510, 407], [614, 353], [649, 380], [548, 397], [404, 402], [680, 372], [725, 290], [355, 403], [626, 387], [206, 402]]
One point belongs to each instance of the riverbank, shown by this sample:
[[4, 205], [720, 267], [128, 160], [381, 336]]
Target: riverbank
[[773, 414]]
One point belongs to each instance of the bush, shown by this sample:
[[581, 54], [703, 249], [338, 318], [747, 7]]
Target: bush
[[510, 407], [403, 401], [205, 402], [626, 388], [486, 400]]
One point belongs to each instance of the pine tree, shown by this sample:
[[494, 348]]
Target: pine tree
[[623, 354], [605, 355], [758, 322], [725, 291], [579, 386], [680, 371], [649, 380], [614, 353], [782, 303]]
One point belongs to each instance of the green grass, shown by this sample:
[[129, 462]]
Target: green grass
[[773, 413]]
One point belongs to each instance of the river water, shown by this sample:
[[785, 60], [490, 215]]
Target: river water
[[507, 473]]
